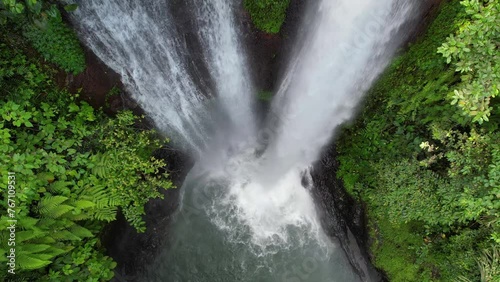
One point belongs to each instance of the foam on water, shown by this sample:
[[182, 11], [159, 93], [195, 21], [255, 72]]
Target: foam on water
[[279, 215]]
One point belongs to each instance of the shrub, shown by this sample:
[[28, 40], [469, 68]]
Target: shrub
[[74, 168], [267, 15], [57, 43]]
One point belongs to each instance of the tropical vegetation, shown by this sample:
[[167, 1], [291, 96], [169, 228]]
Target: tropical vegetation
[[72, 168], [424, 154]]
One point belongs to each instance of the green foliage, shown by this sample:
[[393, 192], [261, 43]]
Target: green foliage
[[429, 174], [394, 248], [85, 262], [57, 43], [12, 6], [267, 15], [43, 26], [266, 96], [74, 167], [427, 196], [32, 10], [478, 38], [489, 264]]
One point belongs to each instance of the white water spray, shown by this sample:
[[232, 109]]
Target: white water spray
[[346, 47], [227, 64], [140, 41]]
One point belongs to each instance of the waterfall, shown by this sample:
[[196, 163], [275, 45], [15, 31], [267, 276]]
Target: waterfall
[[247, 213], [346, 47], [141, 41], [227, 63]]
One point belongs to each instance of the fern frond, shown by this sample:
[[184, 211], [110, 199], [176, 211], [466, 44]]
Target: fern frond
[[50, 202], [102, 203], [107, 214], [46, 223], [101, 168], [58, 186], [78, 217], [57, 249], [114, 201], [65, 235], [28, 262], [33, 248], [83, 204], [22, 236], [42, 256], [95, 192], [57, 211], [45, 240], [27, 222], [80, 231]]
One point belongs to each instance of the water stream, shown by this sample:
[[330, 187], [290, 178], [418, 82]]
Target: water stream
[[246, 212]]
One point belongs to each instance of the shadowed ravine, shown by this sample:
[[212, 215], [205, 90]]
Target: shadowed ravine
[[247, 209]]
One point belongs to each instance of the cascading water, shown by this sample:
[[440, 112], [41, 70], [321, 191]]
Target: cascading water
[[140, 41], [348, 46], [227, 64], [246, 214]]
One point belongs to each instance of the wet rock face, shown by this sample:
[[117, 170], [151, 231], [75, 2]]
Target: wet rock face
[[333, 197], [343, 218], [96, 80], [268, 53]]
